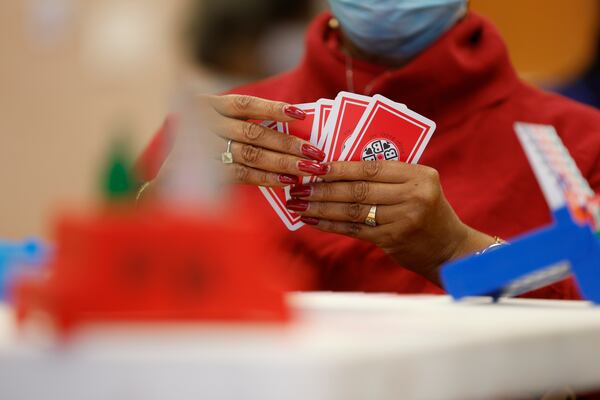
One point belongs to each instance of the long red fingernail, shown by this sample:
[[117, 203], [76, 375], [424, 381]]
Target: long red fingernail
[[310, 220], [297, 205], [312, 167], [288, 179], [294, 112], [313, 152], [301, 191]]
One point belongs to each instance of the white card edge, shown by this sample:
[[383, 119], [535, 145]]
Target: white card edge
[[290, 226]]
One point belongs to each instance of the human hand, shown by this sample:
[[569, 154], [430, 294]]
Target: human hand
[[261, 156], [416, 225]]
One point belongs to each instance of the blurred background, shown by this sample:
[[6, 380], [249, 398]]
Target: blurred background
[[76, 73]]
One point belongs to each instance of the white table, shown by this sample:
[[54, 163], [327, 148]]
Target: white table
[[342, 346]]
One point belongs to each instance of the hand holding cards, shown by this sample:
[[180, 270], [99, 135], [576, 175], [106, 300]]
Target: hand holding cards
[[353, 128], [341, 156]]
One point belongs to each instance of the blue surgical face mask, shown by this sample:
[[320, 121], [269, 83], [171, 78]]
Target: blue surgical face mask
[[396, 29]]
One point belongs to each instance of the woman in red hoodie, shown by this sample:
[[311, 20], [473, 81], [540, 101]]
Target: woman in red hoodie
[[474, 184]]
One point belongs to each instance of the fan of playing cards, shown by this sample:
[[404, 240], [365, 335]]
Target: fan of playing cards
[[353, 128]]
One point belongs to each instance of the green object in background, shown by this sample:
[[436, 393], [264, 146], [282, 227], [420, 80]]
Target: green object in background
[[119, 183]]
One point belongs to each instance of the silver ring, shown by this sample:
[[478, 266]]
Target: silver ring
[[370, 220], [227, 156]]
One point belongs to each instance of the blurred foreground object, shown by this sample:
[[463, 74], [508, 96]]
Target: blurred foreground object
[[69, 70], [17, 259], [157, 265], [165, 260], [343, 346], [192, 174], [571, 245]]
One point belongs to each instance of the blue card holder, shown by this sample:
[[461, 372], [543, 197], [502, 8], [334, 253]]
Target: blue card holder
[[536, 259]]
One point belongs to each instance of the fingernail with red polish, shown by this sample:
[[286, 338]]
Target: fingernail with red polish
[[312, 167], [288, 179], [310, 220], [313, 152], [301, 191], [294, 112], [297, 205]]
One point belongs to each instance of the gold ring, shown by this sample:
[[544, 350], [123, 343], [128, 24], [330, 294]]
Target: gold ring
[[370, 220], [227, 156]]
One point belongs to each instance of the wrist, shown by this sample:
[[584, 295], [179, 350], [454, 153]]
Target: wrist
[[457, 239], [467, 241], [473, 242]]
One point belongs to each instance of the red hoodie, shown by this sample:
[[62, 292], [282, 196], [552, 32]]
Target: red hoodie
[[466, 84]]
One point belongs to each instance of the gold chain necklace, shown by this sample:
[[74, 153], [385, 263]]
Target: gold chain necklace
[[350, 78], [334, 24]]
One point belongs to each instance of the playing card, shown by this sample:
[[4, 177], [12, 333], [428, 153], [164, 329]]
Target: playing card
[[308, 129], [277, 197], [302, 128], [322, 113], [347, 110], [388, 131], [353, 127]]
